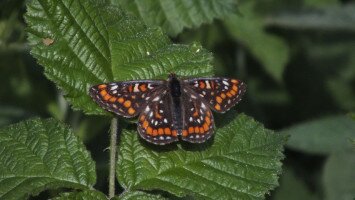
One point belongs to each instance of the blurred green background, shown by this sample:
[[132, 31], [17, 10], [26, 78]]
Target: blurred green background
[[297, 58]]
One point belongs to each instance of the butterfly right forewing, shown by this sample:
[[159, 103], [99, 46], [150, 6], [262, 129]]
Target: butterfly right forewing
[[220, 93]]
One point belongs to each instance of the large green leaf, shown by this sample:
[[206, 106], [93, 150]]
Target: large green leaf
[[85, 42], [174, 16], [322, 136], [40, 154], [271, 51], [242, 162]]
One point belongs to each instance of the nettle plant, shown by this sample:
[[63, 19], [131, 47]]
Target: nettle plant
[[81, 43]]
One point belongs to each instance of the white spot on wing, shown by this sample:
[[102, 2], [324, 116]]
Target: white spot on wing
[[165, 121], [136, 89], [156, 98], [208, 86], [225, 82], [114, 87], [190, 119]]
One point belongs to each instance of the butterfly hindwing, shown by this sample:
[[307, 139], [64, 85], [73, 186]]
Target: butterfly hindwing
[[198, 123], [124, 98], [155, 123], [220, 93]]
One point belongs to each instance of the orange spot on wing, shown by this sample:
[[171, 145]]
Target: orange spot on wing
[[234, 81], [229, 94], [195, 113], [149, 130], [102, 86], [160, 131], [107, 97], [197, 130], [103, 92], [202, 84], [167, 131], [184, 133], [174, 133], [131, 111], [209, 114], [142, 118], [219, 99], [155, 132], [217, 107], [201, 130], [235, 88], [233, 92], [157, 115], [205, 127], [130, 88], [208, 121], [113, 99], [143, 87], [127, 103], [145, 124], [223, 95], [191, 129], [120, 100]]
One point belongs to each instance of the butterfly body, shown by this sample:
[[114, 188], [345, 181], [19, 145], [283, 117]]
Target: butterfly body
[[171, 109]]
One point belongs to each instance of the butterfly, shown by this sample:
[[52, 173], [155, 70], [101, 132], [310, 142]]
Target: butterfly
[[171, 109]]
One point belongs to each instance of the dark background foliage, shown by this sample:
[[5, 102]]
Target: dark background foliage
[[297, 57]]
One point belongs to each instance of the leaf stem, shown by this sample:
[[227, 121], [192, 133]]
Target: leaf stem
[[113, 149]]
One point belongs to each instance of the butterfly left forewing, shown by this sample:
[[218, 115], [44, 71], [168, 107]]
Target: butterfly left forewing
[[124, 98]]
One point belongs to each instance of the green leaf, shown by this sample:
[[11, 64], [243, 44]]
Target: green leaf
[[174, 16], [42, 154], [82, 195], [271, 51], [322, 136], [138, 195], [242, 161], [81, 43], [338, 176]]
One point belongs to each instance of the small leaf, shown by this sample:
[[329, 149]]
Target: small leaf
[[338, 176], [42, 154], [242, 162], [271, 51], [95, 42], [322, 136], [138, 195], [174, 16], [82, 195]]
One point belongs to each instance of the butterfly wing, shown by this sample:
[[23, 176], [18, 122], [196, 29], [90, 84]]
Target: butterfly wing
[[198, 123], [124, 98], [155, 123], [220, 93]]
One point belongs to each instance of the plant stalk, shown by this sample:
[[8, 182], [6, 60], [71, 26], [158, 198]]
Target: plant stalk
[[113, 153]]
